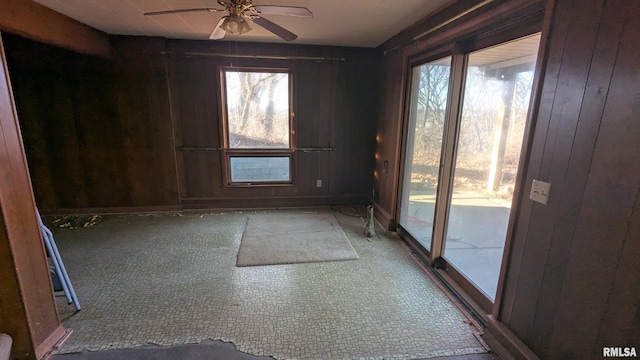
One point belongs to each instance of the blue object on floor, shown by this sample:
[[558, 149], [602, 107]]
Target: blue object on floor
[[55, 279], [58, 265]]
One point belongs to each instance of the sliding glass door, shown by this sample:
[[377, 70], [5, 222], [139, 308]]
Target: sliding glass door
[[427, 110], [472, 151], [496, 100]]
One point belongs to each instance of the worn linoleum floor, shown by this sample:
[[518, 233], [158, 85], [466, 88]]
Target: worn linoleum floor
[[170, 279]]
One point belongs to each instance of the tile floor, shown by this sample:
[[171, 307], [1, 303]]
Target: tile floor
[[170, 279]]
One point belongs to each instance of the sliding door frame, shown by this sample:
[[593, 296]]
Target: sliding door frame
[[459, 51], [414, 61], [452, 128]]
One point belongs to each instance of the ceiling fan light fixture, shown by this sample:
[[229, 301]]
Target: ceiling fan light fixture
[[235, 25]]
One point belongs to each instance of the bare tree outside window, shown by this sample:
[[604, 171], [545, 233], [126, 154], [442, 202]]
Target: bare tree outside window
[[258, 109], [486, 94], [428, 107], [258, 126], [431, 103]]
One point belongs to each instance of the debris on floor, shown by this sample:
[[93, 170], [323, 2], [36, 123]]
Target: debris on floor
[[75, 221]]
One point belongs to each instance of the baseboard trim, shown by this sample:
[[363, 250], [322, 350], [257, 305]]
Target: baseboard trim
[[273, 202], [384, 218], [48, 344], [505, 343], [111, 210], [224, 203]]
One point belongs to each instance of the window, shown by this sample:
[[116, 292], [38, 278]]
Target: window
[[465, 126], [497, 90], [428, 106], [257, 126]]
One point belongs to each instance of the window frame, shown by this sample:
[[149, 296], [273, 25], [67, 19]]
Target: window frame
[[227, 152], [460, 51]]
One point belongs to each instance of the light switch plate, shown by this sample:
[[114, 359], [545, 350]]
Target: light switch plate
[[540, 191]]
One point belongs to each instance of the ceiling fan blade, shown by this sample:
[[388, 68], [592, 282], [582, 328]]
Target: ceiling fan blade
[[218, 33], [284, 10], [152, 13], [278, 30]]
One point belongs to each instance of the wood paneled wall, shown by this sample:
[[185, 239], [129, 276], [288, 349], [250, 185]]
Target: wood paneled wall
[[143, 111], [27, 307], [334, 92], [388, 138], [97, 132], [103, 134], [69, 123], [573, 282]]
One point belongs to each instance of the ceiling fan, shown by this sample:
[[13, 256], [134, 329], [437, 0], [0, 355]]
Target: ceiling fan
[[242, 11]]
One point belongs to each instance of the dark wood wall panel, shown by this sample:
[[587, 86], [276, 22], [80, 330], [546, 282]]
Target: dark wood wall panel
[[540, 129], [201, 173], [608, 206], [553, 155], [317, 90], [564, 295], [316, 125], [333, 93], [194, 83], [68, 120], [621, 316], [388, 143], [577, 169], [98, 132], [356, 122], [142, 100], [195, 109]]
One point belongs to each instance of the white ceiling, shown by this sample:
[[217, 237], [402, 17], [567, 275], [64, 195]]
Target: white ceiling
[[360, 23]]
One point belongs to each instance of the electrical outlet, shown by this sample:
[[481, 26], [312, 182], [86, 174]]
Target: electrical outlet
[[540, 191], [318, 183]]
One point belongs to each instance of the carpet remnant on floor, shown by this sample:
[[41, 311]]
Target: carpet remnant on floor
[[293, 238]]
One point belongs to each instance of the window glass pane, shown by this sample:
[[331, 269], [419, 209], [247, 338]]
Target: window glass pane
[[430, 88], [259, 169], [257, 109], [496, 101]]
